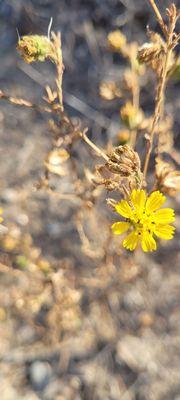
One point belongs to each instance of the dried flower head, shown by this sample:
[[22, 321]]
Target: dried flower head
[[145, 219], [131, 116], [124, 161], [122, 171], [168, 178], [116, 40], [153, 53], [109, 91], [35, 48], [106, 178]]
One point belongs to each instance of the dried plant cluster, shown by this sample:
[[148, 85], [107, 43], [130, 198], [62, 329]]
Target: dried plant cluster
[[123, 170]]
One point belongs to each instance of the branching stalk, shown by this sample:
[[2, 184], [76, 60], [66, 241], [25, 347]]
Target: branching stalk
[[93, 146], [161, 86]]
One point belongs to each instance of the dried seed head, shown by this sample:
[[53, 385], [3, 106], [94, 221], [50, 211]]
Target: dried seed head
[[116, 40], [35, 48], [124, 161], [131, 116], [110, 180], [109, 91], [153, 53], [120, 173], [106, 178]]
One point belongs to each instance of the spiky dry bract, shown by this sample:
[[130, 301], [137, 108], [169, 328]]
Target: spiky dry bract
[[35, 48], [145, 219]]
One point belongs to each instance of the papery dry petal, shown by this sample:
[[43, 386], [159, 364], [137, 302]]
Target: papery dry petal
[[55, 161], [168, 177]]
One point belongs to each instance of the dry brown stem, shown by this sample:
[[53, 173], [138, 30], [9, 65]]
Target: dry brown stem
[[24, 103], [92, 145], [135, 101], [159, 18], [59, 67], [162, 82]]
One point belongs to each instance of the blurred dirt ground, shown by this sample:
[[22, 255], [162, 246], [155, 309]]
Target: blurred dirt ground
[[73, 326]]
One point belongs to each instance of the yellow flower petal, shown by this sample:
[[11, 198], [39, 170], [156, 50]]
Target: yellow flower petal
[[155, 201], [164, 231], [164, 216], [138, 198], [148, 243], [131, 241], [120, 227], [124, 209]]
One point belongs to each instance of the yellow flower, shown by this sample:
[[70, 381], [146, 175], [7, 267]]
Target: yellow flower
[[116, 40], [35, 48], [145, 219], [1, 211]]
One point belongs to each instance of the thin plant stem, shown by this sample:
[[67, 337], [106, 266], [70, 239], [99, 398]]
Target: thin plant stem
[[160, 95], [135, 93], [135, 99], [157, 112], [63, 196], [93, 146], [159, 18], [25, 103], [59, 68]]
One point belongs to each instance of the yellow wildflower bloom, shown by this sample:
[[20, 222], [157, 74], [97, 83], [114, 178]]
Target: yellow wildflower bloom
[[145, 219], [35, 48]]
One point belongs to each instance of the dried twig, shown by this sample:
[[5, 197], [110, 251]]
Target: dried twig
[[25, 103], [59, 66], [159, 18], [92, 145], [162, 83]]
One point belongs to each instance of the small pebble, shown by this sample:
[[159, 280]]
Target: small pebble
[[39, 374]]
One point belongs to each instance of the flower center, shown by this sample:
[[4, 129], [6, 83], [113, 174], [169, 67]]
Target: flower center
[[142, 222]]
